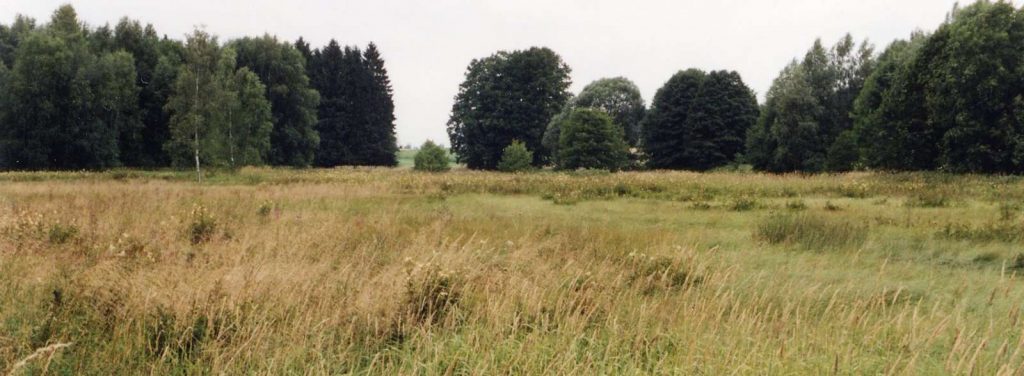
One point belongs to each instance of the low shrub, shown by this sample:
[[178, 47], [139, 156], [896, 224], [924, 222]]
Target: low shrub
[[266, 209], [744, 204], [516, 158], [60, 234], [202, 225], [811, 231], [431, 158]]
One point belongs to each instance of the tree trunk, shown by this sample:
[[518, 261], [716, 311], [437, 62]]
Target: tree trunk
[[231, 139], [195, 133]]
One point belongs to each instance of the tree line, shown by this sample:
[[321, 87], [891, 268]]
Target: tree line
[[78, 97], [950, 100]]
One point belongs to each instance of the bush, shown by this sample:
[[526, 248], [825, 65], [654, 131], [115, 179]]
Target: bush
[[811, 231], [432, 158], [590, 140], [742, 204], [202, 226], [516, 158], [60, 234]]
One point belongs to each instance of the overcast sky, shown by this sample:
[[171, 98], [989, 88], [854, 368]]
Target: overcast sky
[[427, 44]]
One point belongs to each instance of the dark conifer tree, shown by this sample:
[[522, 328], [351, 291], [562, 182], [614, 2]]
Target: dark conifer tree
[[356, 111], [382, 147]]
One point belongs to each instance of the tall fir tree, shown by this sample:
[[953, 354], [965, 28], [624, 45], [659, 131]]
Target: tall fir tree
[[356, 110], [382, 146]]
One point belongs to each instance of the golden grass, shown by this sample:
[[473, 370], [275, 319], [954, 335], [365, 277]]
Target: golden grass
[[394, 272]]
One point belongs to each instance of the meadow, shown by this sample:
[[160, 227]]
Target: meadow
[[390, 271]]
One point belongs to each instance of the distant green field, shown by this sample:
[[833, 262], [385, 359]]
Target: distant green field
[[406, 156]]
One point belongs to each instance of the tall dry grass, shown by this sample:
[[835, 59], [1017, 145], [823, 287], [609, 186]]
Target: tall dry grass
[[393, 272]]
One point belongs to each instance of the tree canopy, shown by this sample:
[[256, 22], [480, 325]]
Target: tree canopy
[[808, 106], [507, 96], [950, 100], [698, 120], [619, 97], [293, 103], [591, 140]]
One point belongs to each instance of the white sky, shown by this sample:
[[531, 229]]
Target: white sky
[[427, 44]]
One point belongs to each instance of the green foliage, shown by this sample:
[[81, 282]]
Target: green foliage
[[156, 66], [843, 155], [516, 158], [249, 120], [618, 97], [293, 103], [64, 106], [356, 112], [198, 120], [807, 109], [589, 140], [950, 100], [507, 96], [887, 134], [432, 157], [11, 36], [219, 115], [698, 121]]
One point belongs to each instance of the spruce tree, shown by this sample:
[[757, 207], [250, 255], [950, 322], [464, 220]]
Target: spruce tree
[[356, 110], [382, 145]]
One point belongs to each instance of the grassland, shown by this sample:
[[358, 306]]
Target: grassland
[[275, 271]]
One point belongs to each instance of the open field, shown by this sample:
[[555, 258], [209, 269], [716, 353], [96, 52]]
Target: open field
[[395, 272]]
